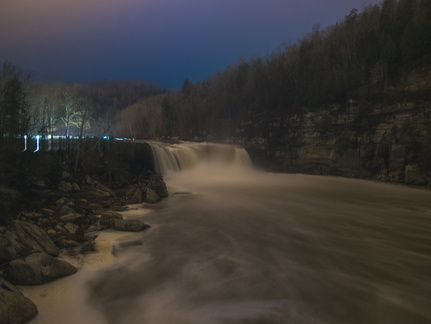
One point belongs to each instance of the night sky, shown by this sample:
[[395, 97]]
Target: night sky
[[161, 41]]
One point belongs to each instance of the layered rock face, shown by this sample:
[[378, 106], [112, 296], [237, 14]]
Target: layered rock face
[[384, 142]]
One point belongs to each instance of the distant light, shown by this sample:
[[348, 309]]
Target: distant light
[[37, 143], [106, 137], [25, 143]]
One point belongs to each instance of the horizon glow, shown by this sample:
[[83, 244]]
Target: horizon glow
[[163, 41]]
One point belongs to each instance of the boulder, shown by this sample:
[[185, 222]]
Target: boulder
[[66, 175], [72, 217], [65, 187], [158, 185], [27, 214], [34, 239], [14, 306], [135, 196], [97, 194], [96, 184], [7, 251], [65, 243], [111, 214], [71, 228], [75, 187], [151, 196], [38, 268], [63, 201], [64, 210], [130, 225]]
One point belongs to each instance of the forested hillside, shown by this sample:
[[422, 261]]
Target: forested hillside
[[380, 54]]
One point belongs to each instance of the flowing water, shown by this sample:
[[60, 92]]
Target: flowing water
[[236, 245]]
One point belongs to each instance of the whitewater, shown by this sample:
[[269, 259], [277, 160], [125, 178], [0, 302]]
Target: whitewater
[[233, 244]]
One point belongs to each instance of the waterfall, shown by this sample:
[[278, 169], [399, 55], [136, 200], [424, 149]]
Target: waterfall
[[175, 157]]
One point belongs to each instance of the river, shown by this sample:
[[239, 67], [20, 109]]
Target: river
[[236, 245]]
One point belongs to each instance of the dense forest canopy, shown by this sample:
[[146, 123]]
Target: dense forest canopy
[[378, 54]]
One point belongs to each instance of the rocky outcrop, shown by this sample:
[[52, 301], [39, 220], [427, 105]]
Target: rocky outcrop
[[60, 214], [157, 184], [387, 142], [14, 306], [38, 268], [150, 191], [33, 238]]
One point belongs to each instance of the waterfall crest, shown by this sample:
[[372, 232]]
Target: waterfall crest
[[175, 157]]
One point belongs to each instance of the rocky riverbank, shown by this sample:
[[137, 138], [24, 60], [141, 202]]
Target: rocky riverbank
[[61, 218]]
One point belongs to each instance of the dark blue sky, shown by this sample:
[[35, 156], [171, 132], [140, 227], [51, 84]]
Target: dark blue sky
[[161, 41]]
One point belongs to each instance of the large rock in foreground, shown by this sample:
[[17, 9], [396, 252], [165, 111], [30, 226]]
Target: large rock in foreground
[[14, 306], [38, 268], [9, 247], [34, 238]]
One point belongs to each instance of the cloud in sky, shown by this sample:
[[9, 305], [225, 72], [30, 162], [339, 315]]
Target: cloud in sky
[[163, 41]]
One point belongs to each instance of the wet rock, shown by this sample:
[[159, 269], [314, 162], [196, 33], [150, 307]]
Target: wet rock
[[65, 187], [75, 187], [59, 228], [96, 184], [34, 238], [14, 306], [158, 185], [130, 225], [7, 251], [71, 228], [111, 214], [63, 201], [97, 194], [151, 196], [72, 217], [64, 210], [94, 206], [48, 211], [88, 245], [65, 243], [38, 268], [135, 195], [9, 246], [51, 231], [66, 175], [27, 214], [119, 208]]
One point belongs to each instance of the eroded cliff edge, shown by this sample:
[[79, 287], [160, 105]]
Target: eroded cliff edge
[[387, 142]]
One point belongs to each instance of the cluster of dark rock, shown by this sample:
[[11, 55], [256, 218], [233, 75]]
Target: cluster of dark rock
[[61, 219]]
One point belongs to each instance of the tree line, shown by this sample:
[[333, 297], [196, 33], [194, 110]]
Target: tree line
[[62, 109], [381, 53]]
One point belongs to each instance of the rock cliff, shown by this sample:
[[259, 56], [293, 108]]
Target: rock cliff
[[388, 142]]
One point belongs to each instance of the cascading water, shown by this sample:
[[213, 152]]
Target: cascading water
[[186, 155], [235, 245]]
